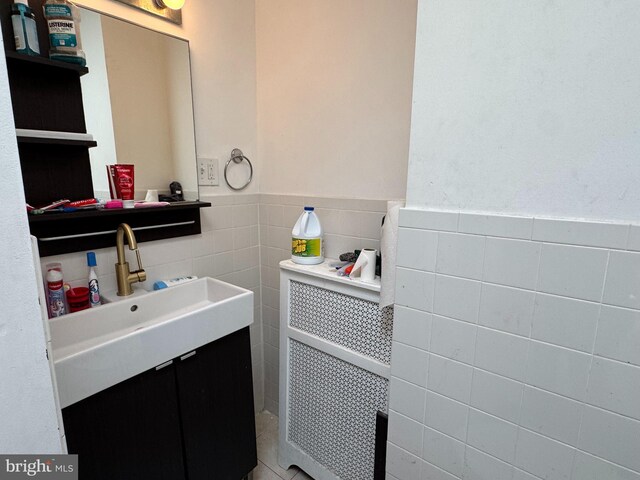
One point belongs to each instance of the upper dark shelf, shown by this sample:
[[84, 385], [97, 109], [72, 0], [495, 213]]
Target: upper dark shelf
[[111, 212], [57, 141], [46, 62], [85, 230]]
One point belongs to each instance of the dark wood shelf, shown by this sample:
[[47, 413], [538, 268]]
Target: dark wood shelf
[[59, 232], [46, 62], [57, 141]]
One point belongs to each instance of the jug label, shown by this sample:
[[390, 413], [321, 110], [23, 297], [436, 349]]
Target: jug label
[[306, 247]]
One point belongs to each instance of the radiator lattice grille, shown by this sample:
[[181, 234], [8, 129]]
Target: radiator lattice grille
[[351, 322], [332, 411]]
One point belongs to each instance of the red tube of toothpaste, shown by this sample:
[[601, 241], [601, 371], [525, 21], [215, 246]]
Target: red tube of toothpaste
[[124, 184]]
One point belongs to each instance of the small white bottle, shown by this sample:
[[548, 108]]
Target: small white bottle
[[94, 287], [56, 302], [306, 239]]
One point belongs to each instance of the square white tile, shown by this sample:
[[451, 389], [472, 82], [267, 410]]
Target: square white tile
[[492, 435], [480, 466], [457, 298], [430, 220], [506, 309], [450, 378], [619, 335], [565, 321], [453, 339], [576, 272], [460, 255], [511, 262], [588, 467], [573, 232], [405, 433], [634, 238], [267, 445], [409, 364], [610, 436], [558, 370], [407, 399], [501, 353], [551, 415], [622, 286], [615, 386], [414, 289], [543, 456], [496, 225], [402, 464], [431, 472], [443, 451], [412, 327], [496, 395], [417, 249], [520, 475], [446, 415]]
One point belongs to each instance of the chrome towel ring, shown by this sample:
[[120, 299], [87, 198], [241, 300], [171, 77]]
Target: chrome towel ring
[[237, 156]]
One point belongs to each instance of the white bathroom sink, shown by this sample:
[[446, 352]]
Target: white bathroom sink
[[97, 348]]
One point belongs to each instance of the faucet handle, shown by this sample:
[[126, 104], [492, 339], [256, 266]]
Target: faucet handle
[[139, 260]]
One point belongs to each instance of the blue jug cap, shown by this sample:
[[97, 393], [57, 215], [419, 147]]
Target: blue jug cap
[[91, 259], [308, 209]]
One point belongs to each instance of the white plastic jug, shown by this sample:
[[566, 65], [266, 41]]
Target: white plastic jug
[[306, 239]]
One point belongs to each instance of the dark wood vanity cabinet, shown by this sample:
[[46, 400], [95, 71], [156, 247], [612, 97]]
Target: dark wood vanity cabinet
[[190, 419]]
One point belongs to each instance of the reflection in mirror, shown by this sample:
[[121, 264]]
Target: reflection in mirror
[[138, 105]]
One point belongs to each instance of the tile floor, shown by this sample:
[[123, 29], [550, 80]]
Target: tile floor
[[267, 439]]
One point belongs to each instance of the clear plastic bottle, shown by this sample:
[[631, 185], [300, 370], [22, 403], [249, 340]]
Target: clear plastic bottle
[[306, 239], [63, 21], [25, 31]]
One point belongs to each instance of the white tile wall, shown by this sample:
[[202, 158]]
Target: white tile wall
[[531, 343], [506, 309], [480, 466], [348, 224], [446, 415]]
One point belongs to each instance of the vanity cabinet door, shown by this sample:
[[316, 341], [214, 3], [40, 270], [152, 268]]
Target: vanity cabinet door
[[215, 391], [129, 431]]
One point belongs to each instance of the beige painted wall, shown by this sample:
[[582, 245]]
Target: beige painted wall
[[139, 104], [334, 96], [222, 44]]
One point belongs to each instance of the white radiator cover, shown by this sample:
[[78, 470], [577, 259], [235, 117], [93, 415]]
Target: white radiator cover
[[335, 352]]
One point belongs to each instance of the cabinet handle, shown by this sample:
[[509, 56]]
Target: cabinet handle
[[187, 355], [165, 364]]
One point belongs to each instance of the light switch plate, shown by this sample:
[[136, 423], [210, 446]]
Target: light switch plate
[[208, 171]]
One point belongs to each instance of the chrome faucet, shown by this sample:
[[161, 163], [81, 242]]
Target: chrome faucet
[[124, 277]]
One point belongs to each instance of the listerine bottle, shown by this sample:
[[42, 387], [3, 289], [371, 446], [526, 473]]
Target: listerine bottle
[[63, 21], [24, 28]]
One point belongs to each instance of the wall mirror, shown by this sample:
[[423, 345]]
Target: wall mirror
[[138, 104]]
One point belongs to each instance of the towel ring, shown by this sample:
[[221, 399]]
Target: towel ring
[[237, 156]]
